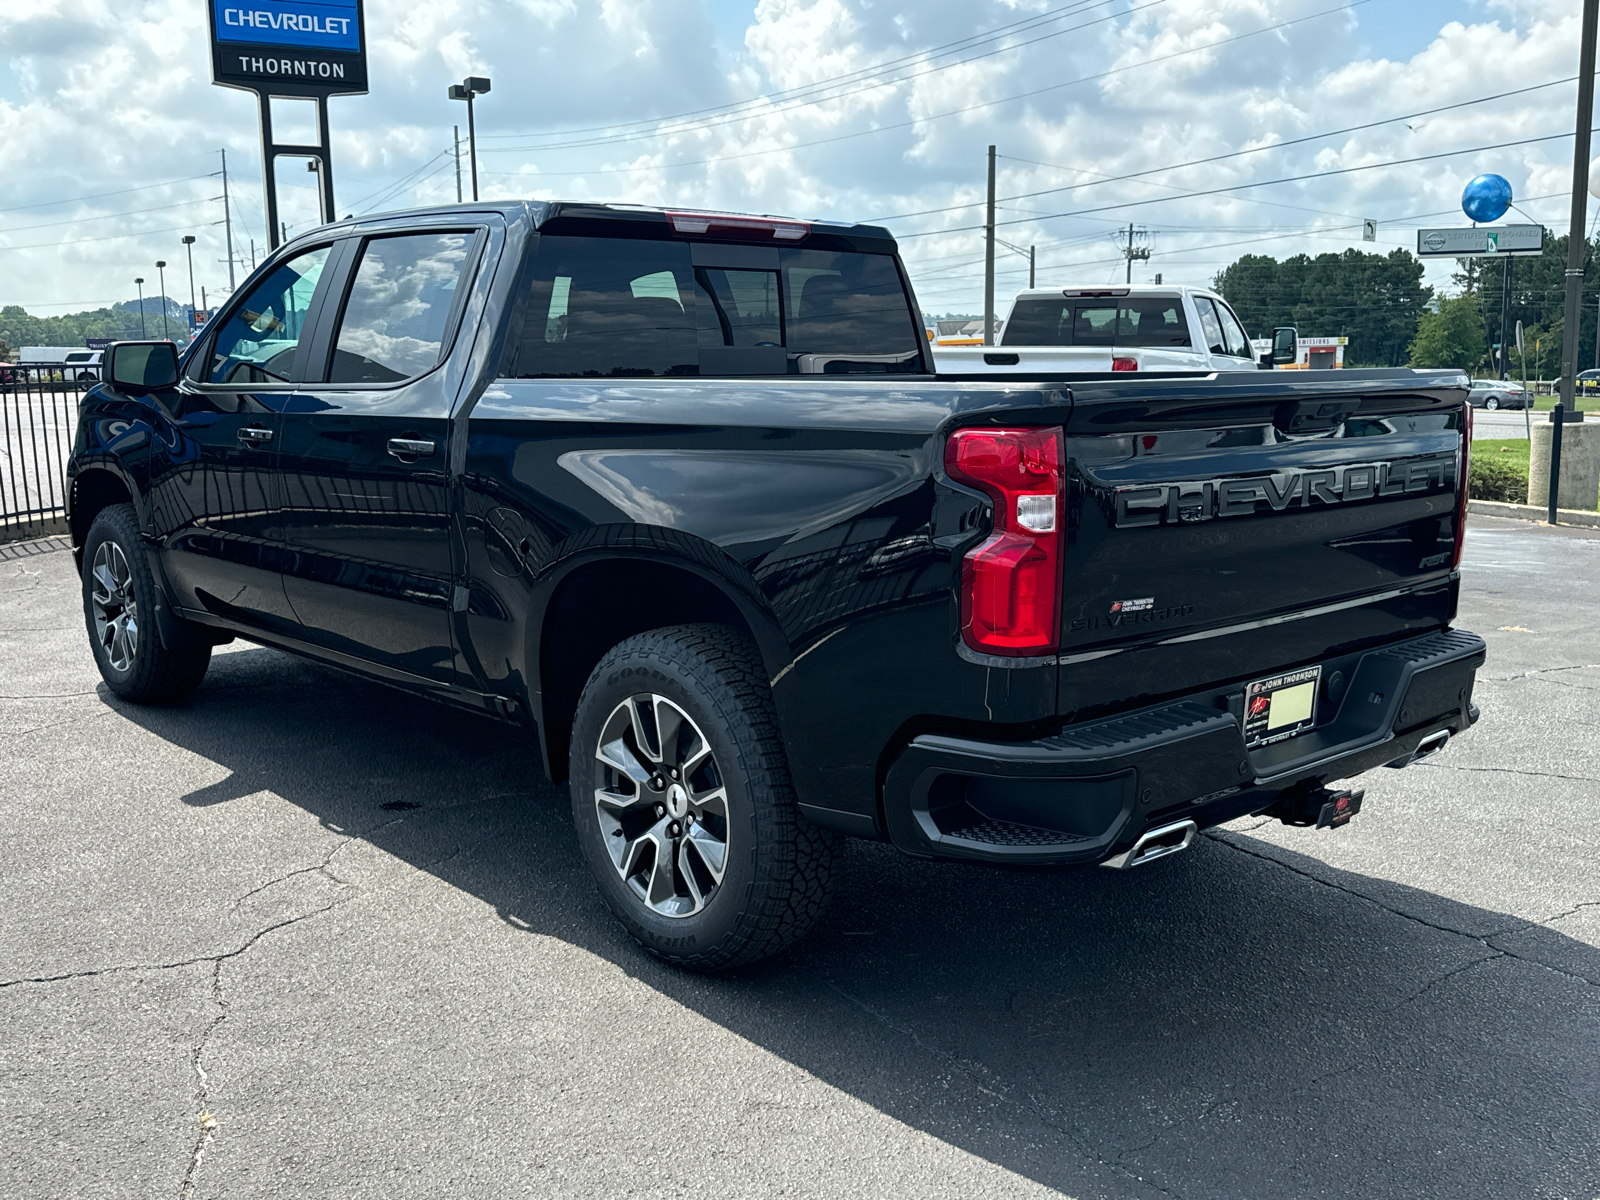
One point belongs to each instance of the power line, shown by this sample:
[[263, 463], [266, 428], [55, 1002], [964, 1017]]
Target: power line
[[1393, 162], [112, 237], [844, 137], [940, 51], [789, 106], [109, 216], [144, 187], [1216, 158]]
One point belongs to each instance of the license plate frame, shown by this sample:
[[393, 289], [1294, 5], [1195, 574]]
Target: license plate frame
[[1293, 694]]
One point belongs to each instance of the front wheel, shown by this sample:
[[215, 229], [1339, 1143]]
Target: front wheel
[[683, 805], [119, 606]]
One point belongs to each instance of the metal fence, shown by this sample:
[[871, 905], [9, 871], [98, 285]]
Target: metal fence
[[38, 419]]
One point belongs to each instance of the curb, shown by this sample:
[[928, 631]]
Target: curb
[[1529, 512]]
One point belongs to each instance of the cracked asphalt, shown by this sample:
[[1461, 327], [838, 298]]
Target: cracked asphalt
[[307, 936]]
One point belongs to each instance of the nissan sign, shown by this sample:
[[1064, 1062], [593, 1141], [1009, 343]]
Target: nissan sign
[[289, 47], [1473, 241]]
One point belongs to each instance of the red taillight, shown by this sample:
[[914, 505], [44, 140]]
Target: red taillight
[[1124, 364], [1011, 584], [733, 225], [1461, 485]]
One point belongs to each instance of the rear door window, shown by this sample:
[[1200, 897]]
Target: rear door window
[[1233, 334], [394, 321], [605, 307], [1210, 326], [1132, 321]]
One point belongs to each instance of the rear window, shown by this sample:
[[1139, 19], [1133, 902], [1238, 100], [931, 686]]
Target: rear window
[[1107, 321], [608, 308]]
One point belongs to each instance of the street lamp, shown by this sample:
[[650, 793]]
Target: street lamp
[[140, 282], [188, 244], [472, 85], [161, 270]]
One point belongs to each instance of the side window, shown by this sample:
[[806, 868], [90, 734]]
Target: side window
[[1038, 323], [257, 343], [1233, 332], [393, 325], [1210, 326], [847, 313], [609, 307]]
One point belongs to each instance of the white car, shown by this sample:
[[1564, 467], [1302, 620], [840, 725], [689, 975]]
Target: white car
[[1098, 328]]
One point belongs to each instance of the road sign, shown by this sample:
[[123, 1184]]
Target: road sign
[[1369, 230], [1481, 241]]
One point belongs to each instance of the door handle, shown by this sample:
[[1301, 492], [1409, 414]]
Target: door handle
[[406, 449], [252, 435]]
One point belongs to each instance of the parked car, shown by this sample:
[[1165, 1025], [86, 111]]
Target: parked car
[[1588, 382], [1139, 327], [683, 494], [1496, 393]]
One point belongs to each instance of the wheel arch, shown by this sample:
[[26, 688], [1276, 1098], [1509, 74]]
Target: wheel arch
[[95, 487], [601, 598]]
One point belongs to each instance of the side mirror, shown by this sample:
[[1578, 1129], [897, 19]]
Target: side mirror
[[142, 366], [1285, 345]]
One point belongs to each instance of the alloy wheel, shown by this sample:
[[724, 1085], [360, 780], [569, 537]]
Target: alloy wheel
[[116, 612], [662, 805]]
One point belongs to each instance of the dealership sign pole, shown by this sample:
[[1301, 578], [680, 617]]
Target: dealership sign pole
[[290, 49]]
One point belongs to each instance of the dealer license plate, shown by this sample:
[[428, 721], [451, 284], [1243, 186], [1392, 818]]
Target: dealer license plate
[[1280, 707]]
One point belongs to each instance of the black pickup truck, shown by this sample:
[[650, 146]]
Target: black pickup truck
[[682, 493]]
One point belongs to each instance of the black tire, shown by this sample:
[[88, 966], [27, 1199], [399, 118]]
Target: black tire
[[778, 866], [149, 672]]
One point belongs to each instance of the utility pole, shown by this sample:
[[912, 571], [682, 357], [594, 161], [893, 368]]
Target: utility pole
[[227, 216], [140, 283], [1576, 245], [1597, 333], [457, 130], [1506, 271], [1030, 268], [988, 260], [1132, 251], [188, 244], [161, 272]]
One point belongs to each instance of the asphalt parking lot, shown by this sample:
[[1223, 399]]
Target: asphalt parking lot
[[306, 936]]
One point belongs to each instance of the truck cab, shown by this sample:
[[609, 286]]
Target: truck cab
[[1100, 328]]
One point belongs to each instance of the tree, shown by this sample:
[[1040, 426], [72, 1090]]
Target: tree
[[1452, 337], [1373, 299]]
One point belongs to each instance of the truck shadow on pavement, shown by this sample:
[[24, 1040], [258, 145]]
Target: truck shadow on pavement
[[1242, 1021]]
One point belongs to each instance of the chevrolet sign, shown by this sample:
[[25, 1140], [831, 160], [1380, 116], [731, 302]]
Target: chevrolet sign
[[289, 47]]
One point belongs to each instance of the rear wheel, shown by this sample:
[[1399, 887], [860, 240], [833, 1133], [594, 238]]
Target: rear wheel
[[683, 805], [119, 607], [1492, 403]]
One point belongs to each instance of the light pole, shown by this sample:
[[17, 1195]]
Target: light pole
[[161, 272], [140, 282], [472, 85], [188, 244]]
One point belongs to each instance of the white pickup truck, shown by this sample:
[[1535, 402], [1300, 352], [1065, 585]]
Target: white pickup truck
[[1105, 329]]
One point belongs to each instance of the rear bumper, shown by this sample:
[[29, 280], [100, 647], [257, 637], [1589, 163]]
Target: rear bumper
[[1087, 792]]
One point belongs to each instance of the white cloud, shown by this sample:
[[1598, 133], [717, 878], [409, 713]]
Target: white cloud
[[101, 98]]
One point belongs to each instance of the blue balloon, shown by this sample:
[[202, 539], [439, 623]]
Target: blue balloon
[[1486, 198]]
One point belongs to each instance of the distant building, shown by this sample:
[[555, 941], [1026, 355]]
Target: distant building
[[1312, 353]]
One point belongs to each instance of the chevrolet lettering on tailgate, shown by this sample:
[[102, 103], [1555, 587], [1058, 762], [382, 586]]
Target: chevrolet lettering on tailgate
[[1192, 501]]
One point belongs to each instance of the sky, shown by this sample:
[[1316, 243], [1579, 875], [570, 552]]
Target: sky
[[854, 110]]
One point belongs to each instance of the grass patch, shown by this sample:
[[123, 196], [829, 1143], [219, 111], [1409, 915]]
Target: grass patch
[[1499, 470], [1586, 403]]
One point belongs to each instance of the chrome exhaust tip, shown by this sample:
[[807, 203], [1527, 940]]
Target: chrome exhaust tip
[[1154, 844], [1431, 744]]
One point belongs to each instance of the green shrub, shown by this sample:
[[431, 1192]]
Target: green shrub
[[1502, 477]]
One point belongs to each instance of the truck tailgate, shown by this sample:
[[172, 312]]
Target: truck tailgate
[[1217, 534]]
